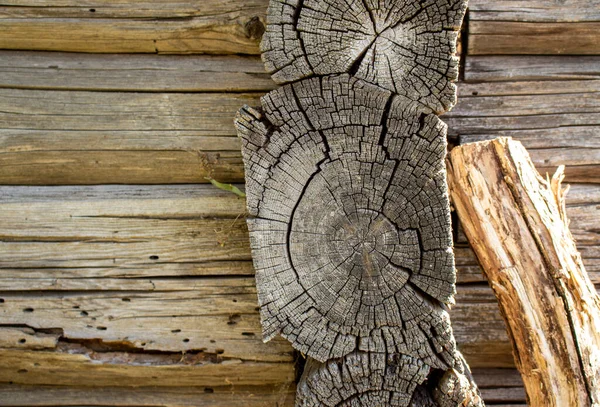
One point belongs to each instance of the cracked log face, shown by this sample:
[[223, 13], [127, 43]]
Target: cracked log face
[[351, 229], [362, 379], [405, 46], [346, 188]]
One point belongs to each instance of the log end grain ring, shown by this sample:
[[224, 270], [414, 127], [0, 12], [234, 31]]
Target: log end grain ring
[[351, 233], [404, 46]]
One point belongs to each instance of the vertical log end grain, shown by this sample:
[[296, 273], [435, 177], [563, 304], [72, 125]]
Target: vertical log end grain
[[347, 192]]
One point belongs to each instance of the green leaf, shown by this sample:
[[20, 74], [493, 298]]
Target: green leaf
[[226, 187]]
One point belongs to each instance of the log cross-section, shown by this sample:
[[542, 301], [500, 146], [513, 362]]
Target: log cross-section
[[346, 191]]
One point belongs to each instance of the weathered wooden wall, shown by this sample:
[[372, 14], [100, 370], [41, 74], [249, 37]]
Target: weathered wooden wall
[[142, 293]]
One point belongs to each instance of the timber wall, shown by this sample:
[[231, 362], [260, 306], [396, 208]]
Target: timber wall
[[126, 280]]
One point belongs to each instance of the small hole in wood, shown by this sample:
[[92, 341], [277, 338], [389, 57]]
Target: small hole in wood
[[234, 300], [186, 340], [154, 257], [475, 93], [101, 328], [75, 306], [220, 351], [22, 371], [28, 310], [126, 299], [213, 341], [208, 390], [22, 340], [143, 343], [248, 333], [1, 300], [175, 330], [83, 313], [92, 10]]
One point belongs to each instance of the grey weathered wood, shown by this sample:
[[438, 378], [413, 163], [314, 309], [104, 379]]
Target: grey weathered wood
[[357, 204], [405, 46], [346, 189]]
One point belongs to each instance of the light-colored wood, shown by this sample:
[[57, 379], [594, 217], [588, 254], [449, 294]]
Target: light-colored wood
[[80, 366], [132, 72], [535, 10], [531, 68], [113, 137], [198, 396], [184, 27], [497, 386], [550, 306], [539, 38]]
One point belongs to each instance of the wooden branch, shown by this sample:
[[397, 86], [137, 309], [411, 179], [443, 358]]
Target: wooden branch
[[350, 222], [516, 222]]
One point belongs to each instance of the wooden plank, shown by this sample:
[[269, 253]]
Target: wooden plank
[[531, 68], [535, 10], [557, 120], [107, 26], [576, 147], [132, 72], [497, 385], [62, 266], [198, 396], [81, 367], [538, 38], [113, 137]]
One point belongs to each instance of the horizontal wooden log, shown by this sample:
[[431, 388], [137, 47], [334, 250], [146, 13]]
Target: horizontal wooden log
[[185, 27], [82, 367], [198, 396], [535, 10], [112, 137], [496, 385], [132, 72], [162, 278], [534, 38], [556, 119], [531, 68]]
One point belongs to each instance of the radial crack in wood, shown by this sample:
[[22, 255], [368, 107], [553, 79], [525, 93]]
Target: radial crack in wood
[[405, 46], [351, 231]]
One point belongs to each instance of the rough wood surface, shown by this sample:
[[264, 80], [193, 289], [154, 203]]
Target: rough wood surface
[[540, 38], [532, 68], [405, 47], [376, 224], [503, 387], [534, 10], [133, 72], [183, 27], [350, 228], [550, 306]]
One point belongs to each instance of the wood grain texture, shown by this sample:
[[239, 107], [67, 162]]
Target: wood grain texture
[[511, 68], [350, 223], [535, 10], [133, 72], [113, 137], [539, 38], [404, 47], [549, 304], [498, 386], [105, 26]]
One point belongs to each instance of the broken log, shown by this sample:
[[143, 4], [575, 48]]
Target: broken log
[[516, 222], [346, 191]]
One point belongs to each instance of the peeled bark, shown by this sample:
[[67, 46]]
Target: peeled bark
[[346, 188], [516, 222]]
